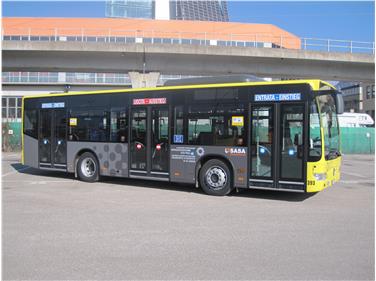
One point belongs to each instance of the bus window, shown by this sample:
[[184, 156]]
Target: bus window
[[314, 133], [262, 141], [31, 123], [214, 125], [200, 131], [329, 124], [118, 125], [179, 122], [138, 138], [91, 125], [291, 146], [159, 139]]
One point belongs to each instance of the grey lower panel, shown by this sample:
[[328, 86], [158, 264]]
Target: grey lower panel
[[281, 185], [299, 186], [184, 158], [30, 151], [112, 157], [261, 183], [276, 189]]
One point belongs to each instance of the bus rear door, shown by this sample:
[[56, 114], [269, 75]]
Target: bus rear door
[[52, 139]]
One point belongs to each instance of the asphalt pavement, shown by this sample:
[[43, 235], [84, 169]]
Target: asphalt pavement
[[56, 227]]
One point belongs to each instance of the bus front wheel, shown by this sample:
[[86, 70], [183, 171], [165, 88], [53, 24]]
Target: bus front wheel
[[87, 167], [215, 178]]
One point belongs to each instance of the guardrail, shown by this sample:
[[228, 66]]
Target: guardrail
[[18, 77], [331, 45], [256, 40]]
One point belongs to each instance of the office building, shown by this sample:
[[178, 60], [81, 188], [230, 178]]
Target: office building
[[209, 10], [130, 9]]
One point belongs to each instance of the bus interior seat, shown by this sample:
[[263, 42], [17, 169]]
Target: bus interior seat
[[205, 138]]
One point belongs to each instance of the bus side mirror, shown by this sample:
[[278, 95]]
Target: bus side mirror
[[340, 105]]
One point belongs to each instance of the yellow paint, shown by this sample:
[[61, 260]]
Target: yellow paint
[[331, 168], [315, 85], [22, 137]]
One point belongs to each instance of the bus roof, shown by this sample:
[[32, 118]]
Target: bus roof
[[314, 83]]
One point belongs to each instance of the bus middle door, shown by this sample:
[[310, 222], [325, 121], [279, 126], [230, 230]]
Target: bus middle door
[[149, 142]]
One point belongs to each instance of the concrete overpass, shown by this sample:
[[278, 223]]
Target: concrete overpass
[[185, 60]]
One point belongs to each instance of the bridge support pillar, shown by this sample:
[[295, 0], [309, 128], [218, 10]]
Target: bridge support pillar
[[144, 80]]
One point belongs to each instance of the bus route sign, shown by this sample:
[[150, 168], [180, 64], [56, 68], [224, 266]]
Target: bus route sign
[[278, 97], [149, 101], [53, 105]]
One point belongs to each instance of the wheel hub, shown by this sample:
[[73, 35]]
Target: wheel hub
[[88, 167], [216, 177]]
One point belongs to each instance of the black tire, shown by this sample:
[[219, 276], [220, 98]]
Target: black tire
[[215, 178], [88, 167]]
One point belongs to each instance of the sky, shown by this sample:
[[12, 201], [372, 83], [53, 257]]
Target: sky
[[341, 20]]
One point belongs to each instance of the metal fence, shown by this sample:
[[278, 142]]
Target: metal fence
[[357, 140], [257, 40], [19, 77]]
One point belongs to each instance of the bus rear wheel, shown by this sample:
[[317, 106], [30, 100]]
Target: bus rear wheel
[[88, 168], [215, 178]]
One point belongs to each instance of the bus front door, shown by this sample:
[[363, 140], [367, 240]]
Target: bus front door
[[52, 139], [277, 157], [149, 142]]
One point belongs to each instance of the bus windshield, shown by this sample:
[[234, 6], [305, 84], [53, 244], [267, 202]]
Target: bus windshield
[[329, 123]]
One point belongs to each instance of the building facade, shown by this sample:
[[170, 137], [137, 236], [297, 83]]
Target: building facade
[[209, 10], [359, 98], [369, 100], [143, 9]]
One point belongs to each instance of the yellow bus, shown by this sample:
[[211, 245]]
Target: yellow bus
[[216, 134]]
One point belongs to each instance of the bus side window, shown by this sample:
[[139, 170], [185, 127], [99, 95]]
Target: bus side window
[[90, 125], [31, 123], [178, 125], [118, 125], [216, 124]]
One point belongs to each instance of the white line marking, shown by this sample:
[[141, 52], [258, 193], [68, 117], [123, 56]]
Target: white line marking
[[15, 171], [35, 181], [354, 174], [12, 155], [356, 182]]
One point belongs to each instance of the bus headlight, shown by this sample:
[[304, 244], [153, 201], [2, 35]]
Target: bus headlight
[[320, 176]]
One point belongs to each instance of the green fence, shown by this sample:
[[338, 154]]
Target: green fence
[[358, 140], [11, 134]]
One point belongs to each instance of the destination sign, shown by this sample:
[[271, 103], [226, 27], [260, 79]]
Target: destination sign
[[148, 101], [53, 105], [278, 97]]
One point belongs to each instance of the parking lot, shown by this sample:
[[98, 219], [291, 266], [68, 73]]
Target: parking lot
[[55, 227]]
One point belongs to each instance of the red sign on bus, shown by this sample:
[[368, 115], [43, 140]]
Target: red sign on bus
[[149, 101]]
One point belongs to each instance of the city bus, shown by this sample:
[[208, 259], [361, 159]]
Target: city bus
[[217, 135]]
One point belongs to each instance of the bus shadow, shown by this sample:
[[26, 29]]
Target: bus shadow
[[273, 195], [180, 187], [22, 169], [172, 186]]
